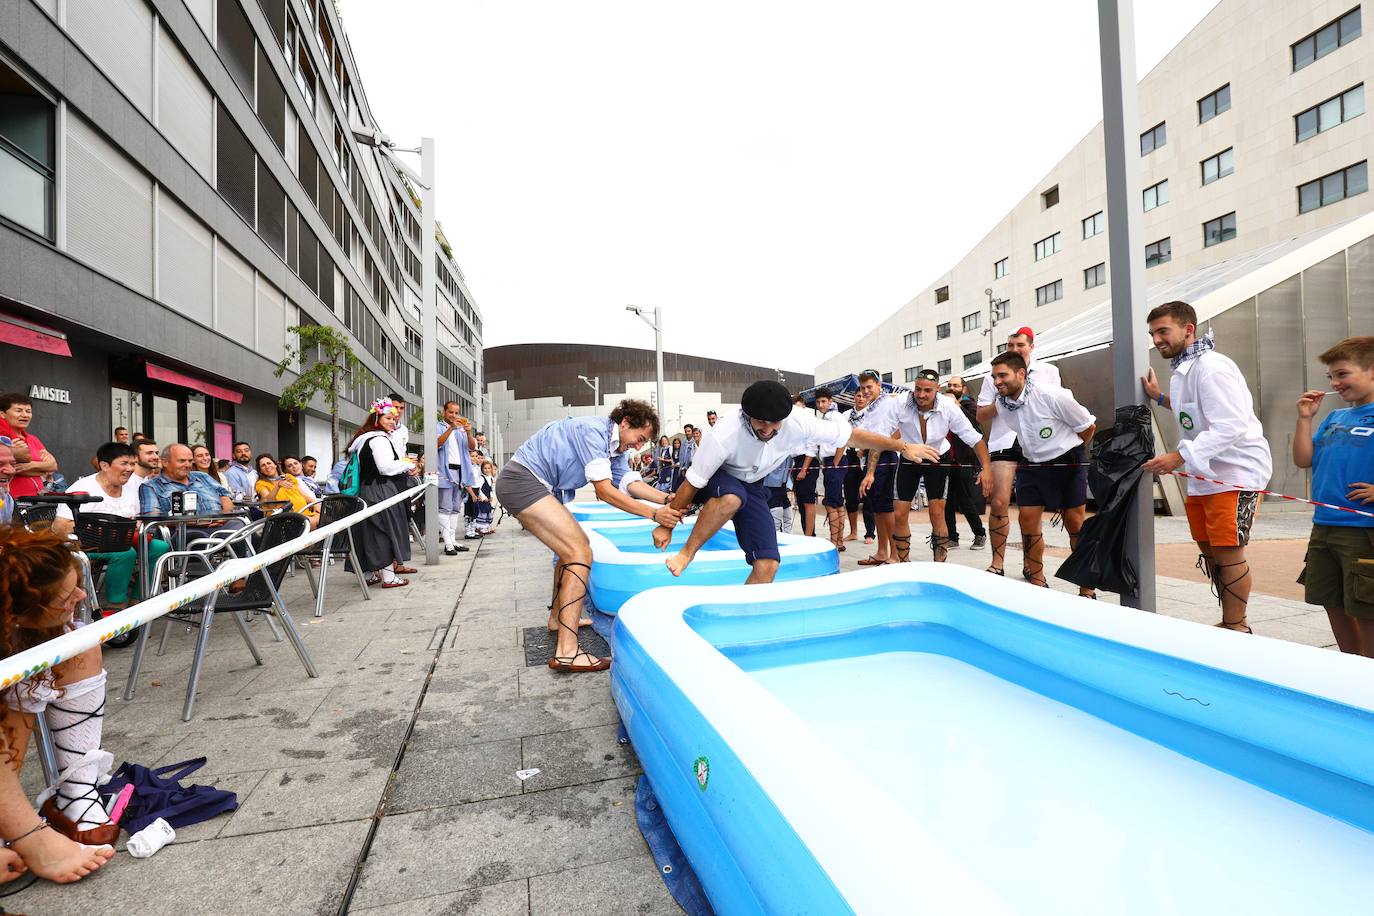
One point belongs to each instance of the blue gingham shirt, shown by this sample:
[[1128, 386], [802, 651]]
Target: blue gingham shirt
[[156, 493]]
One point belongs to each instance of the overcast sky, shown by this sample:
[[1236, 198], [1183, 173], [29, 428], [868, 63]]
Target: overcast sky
[[778, 176]]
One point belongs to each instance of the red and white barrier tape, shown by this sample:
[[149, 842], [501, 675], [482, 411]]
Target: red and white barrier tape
[[1294, 499]]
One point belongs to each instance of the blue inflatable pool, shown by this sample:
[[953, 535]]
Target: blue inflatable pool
[[625, 561], [931, 739], [596, 511]]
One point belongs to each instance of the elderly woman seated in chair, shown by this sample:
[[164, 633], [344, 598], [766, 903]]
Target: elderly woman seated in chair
[[70, 835]]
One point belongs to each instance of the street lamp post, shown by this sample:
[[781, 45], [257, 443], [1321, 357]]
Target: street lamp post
[[993, 313], [1120, 122], [594, 383], [657, 324], [429, 330]]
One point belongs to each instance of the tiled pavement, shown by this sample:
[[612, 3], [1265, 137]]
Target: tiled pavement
[[387, 785]]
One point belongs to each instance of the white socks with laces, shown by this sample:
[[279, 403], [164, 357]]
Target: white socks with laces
[[75, 718]]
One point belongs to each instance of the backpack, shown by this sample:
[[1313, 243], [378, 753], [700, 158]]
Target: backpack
[[350, 481]]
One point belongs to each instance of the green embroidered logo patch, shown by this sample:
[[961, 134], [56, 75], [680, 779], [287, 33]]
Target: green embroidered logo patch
[[1046, 432], [1185, 420]]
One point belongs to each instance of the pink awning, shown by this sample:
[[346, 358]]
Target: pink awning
[[32, 337], [173, 377]]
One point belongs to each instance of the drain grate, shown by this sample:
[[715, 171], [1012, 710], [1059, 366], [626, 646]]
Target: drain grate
[[539, 645]]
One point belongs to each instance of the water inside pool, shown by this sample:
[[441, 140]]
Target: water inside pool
[[1057, 809], [639, 539]]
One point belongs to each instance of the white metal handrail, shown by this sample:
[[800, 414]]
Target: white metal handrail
[[43, 656]]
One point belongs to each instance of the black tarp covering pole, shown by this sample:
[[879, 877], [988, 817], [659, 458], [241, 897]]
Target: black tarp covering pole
[[1126, 254]]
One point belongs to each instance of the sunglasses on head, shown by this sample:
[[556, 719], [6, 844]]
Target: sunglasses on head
[[874, 373]]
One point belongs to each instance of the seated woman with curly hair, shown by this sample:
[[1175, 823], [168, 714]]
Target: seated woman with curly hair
[[70, 836]]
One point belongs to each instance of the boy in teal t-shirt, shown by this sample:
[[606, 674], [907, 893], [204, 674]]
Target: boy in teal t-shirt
[[1339, 574]]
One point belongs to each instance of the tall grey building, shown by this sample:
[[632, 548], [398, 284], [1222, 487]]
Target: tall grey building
[[179, 185]]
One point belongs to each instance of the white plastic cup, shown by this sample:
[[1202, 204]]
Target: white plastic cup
[[150, 839]]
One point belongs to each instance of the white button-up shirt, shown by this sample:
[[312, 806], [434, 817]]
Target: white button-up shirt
[[1001, 436], [732, 445], [1046, 422], [945, 417], [1219, 434]]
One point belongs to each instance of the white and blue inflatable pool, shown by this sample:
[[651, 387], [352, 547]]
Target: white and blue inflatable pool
[[596, 511], [625, 561], [930, 739]]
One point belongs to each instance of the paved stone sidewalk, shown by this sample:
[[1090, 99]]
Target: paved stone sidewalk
[[422, 714], [424, 702]]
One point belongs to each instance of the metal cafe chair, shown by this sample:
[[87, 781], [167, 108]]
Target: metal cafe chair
[[332, 508], [261, 594]]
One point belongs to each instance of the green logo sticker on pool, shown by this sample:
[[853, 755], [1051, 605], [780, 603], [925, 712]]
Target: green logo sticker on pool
[[1046, 432], [1185, 420], [701, 768]]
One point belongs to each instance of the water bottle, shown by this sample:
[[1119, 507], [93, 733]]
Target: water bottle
[[150, 839]]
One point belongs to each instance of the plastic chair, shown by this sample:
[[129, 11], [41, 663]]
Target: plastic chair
[[332, 508], [261, 594]]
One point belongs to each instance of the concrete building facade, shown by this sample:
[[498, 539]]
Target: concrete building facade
[[180, 184], [532, 384], [1253, 131]]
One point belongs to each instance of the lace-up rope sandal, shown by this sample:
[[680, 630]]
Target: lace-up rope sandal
[[1224, 587], [1035, 576], [999, 526], [939, 547], [66, 811], [570, 663], [901, 545]]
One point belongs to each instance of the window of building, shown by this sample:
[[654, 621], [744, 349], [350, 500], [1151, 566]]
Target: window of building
[[1326, 39], [305, 76], [911, 340], [973, 359], [999, 269], [911, 372], [235, 43], [28, 165], [1157, 253], [236, 168], [1218, 166], [972, 321], [1048, 246], [1049, 198], [1331, 188], [1334, 111], [1156, 195], [942, 331], [943, 367], [942, 295], [1050, 292], [1001, 348], [1209, 106], [887, 378], [1221, 229], [1153, 139], [1095, 276], [1094, 225]]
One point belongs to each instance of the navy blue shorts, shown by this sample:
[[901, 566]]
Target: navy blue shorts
[[804, 487], [1055, 488], [754, 526], [834, 483], [911, 473], [880, 494]]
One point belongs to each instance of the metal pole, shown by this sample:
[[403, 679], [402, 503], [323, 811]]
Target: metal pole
[[658, 355], [1130, 361], [429, 366]]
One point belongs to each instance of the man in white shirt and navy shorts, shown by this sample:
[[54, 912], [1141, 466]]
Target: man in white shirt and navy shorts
[[1002, 442], [1052, 429], [1220, 437], [925, 417], [878, 485], [737, 454]]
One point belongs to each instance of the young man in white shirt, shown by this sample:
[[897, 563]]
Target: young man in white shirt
[[1002, 442], [805, 473], [1219, 436], [1052, 429], [727, 475], [876, 488], [400, 436], [833, 470], [925, 417]]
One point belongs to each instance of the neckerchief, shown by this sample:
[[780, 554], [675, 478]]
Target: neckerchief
[[1018, 403], [1194, 350]]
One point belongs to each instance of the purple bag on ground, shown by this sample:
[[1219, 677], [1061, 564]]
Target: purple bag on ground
[[160, 795]]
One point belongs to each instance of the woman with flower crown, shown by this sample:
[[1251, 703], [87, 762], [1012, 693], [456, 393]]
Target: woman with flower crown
[[382, 539]]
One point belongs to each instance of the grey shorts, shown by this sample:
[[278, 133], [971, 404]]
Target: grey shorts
[[517, 488]]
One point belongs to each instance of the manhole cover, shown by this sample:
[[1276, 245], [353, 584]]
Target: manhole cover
[[539, 644]]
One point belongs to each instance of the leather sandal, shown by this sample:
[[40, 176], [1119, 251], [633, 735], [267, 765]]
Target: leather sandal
[[872, 561], [570, 665], [1239, 626], [404, 570], [104, 835], [394, 583]]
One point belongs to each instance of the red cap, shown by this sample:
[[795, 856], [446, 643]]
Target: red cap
[[1025, 332]]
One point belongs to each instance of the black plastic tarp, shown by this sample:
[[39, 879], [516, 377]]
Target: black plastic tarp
[[1100, 560]]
